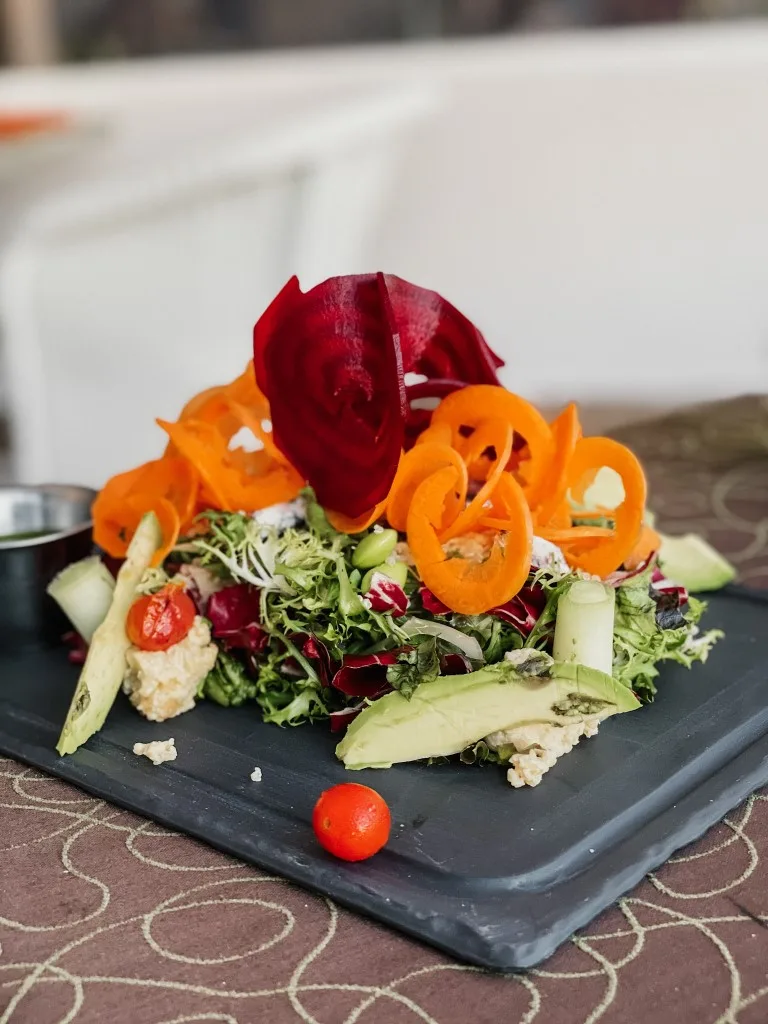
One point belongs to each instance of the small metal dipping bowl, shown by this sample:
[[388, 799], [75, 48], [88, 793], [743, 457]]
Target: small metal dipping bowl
[[56, 519]]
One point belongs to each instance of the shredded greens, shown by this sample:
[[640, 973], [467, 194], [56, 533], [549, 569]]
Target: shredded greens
[[308, 588], [314, 615], [639, 643]]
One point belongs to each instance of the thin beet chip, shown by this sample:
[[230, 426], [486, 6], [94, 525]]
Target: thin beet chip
[[329, 362], [332, 363], [436, 339]]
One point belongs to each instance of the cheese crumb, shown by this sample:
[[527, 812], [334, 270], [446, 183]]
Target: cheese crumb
[[281, 516], [256, 775], [546, 555], [538, 745], [158, 751], [163, 684]]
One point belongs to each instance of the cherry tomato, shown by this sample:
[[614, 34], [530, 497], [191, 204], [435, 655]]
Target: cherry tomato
[[158, 621], [351, 821]]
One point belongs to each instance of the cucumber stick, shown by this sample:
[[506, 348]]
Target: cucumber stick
[[104, 667], [84, 592], [584, 626]]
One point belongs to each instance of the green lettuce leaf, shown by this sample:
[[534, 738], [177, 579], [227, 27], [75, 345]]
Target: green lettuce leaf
[[414, 667], [639, 645], [228, 683]]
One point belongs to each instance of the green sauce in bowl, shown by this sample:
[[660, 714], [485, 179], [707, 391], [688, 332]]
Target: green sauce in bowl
[[9, 538]]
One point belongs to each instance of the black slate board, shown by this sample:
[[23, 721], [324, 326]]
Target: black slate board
[[495, 876]]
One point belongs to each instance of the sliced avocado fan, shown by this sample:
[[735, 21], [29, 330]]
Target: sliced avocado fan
[[450, 713]]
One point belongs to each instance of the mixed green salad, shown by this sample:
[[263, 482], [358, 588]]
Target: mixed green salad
[[449, 578]]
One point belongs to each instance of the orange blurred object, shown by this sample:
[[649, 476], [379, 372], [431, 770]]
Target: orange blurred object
[[19, 124]]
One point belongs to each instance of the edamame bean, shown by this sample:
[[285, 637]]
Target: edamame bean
[[374, 549], [397, 572]]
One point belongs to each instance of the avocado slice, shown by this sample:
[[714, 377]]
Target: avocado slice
[[693, 563], [104, 668], [448, 714]]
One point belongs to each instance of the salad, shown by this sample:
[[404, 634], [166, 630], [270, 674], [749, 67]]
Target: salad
[[367, 529]]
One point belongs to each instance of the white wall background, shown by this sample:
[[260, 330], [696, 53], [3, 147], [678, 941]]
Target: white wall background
[[597, 203]]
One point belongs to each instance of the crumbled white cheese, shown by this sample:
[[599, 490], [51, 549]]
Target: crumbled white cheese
[[547, 555], [158, 751], [163, 684], [203, 579], [283, 515], [520, 656], [256, 775], [402, 553], [473, 547], [538, 745]]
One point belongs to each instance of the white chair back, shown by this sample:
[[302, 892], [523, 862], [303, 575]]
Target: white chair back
[[119, 303]]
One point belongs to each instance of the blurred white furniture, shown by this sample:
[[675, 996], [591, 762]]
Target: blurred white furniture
[[596, 202], [30, 166], [118, 304]]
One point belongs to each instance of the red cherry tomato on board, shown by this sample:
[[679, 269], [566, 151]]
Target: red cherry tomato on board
[[158, 621], [351, 821]]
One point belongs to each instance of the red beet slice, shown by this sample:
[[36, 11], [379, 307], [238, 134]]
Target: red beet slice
[[330, 363]]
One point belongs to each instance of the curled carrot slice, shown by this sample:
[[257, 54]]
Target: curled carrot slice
[[162, 485], [254, 419], [251, 409], [647, 544], [174, 479], [230, 407], [466, 586], [440, 432], [605, 555], [467, 407], [575, 534], [495, 434], [566, 432], [415, 466], [347, 524], [502, 515], [236, 480], [580, 487], [599, 512], [114, 524]]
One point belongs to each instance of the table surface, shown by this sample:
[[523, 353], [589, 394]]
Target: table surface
[[105, 916]]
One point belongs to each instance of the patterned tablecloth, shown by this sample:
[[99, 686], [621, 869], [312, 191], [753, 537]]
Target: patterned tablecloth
[[106, 917]]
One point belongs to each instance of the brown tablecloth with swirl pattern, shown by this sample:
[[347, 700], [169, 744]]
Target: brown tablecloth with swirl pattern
[[105, 917]]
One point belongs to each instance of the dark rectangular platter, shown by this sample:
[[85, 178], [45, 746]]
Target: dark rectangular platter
[[495, 876]]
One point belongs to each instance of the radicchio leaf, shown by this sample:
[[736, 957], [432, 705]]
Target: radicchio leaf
[[660, 582], [454, 664], [341, 719], [386, 595], [317, 652], [522, 611], [330, 364], [78, 648], [234, 616], [365, 675], [622, 575], [432, 604]]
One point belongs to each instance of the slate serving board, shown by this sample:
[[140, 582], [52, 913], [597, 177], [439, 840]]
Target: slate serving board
[[494, 876]]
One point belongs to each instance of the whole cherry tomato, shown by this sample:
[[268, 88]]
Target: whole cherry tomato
[[351, 821], [158, 621]]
